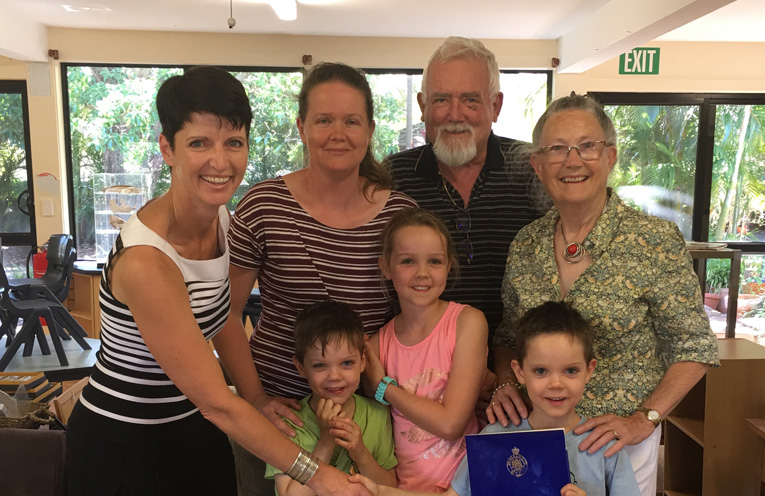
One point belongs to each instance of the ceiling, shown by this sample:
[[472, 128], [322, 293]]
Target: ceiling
[[582, 27], [742, 20]]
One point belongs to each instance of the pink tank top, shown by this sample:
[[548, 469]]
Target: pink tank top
[[425, 462]]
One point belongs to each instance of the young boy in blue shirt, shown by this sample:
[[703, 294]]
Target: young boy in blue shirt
[[342, 429], [555, 362]]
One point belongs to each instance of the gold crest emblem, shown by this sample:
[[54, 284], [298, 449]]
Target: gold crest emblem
[[517, 464]]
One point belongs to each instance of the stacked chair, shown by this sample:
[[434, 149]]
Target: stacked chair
[[32, 299]]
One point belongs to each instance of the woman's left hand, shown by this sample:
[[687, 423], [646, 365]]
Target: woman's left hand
[[274, 408], [627, 431]]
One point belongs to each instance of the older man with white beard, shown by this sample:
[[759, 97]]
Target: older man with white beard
[[474, 180]]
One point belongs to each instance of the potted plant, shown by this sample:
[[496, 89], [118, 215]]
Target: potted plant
[[718, 275]]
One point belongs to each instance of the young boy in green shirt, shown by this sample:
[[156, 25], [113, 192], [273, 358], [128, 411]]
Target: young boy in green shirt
[[342, 429]]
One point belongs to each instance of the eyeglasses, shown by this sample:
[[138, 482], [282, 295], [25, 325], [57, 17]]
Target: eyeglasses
[[462, 222], [573, 477], [589, 150]]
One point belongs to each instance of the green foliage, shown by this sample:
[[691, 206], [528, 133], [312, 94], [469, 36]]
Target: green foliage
[[11, 120], [275, 145], [13, 181], [657, 146], [13, 174], [738, 177], [114, 129], [718, 274], [656, 164]]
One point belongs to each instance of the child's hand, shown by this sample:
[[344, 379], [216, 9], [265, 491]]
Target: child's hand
[[348, 435], [367, 483], [326, 410], [572, 490], [374, 371]]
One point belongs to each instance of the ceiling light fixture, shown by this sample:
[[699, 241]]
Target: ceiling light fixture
[[286, 10], [231, 21]]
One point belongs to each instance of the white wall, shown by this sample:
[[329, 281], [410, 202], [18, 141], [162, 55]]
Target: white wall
[[684, 67]]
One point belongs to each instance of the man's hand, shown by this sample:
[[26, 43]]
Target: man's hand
[[275, 407]]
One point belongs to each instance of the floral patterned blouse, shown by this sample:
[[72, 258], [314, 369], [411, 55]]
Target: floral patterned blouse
[[640, 295]]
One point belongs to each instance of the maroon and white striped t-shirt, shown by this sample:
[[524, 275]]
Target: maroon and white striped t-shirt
[[301, 261]]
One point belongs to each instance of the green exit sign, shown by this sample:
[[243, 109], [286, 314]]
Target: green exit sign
[[640, 61]]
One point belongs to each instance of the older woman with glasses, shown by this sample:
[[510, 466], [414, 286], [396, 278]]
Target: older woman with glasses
[[628, 273]]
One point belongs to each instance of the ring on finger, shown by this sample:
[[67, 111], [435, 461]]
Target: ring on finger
[[616, 436]]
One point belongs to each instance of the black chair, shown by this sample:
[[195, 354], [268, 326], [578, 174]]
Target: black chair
[[40, 302], [61, 256]]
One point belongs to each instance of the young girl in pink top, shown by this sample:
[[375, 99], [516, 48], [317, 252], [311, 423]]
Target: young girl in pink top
[[428, 362]]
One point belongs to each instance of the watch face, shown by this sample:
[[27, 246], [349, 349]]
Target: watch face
[[653, 416]]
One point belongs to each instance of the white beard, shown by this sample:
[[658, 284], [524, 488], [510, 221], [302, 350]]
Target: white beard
[[454, 151]]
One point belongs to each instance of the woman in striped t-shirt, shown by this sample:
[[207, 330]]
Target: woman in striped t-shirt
[[154, 416], [309, 236]]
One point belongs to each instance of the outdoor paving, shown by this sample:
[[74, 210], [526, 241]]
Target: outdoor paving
[[749, 328]]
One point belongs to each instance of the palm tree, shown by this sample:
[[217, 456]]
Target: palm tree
[[738, 171]]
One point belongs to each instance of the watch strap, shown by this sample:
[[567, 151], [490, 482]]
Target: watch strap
[[380, 393]]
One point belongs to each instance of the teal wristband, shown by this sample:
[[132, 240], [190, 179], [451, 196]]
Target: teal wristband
[[380, 394]]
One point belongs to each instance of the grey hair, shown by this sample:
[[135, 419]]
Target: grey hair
[[575, 102], [457, 47], [521, 174]]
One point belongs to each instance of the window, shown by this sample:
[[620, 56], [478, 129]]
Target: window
[[738, 174], [17, 216], [113, 128], [656, 165], [699, 160]]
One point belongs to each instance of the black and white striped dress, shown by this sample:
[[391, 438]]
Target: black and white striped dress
[[127, 384]]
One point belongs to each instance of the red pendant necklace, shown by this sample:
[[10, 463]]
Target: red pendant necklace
[[574, 252]]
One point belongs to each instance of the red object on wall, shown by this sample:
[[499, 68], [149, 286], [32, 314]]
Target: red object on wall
[[39, 264]]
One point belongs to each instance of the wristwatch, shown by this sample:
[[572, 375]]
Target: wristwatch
[[652, 415]]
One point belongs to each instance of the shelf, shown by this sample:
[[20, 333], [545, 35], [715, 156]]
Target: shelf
[[709, 449], [694, 428], [83, 301], [79, 313]]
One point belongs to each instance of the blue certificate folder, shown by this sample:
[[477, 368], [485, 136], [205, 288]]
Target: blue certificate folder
[[522, 463]]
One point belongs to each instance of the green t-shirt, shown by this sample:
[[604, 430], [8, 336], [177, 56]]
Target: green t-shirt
[[376, 431]]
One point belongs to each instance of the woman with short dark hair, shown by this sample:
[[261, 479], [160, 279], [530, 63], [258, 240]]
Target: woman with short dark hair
[[155, 415]]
